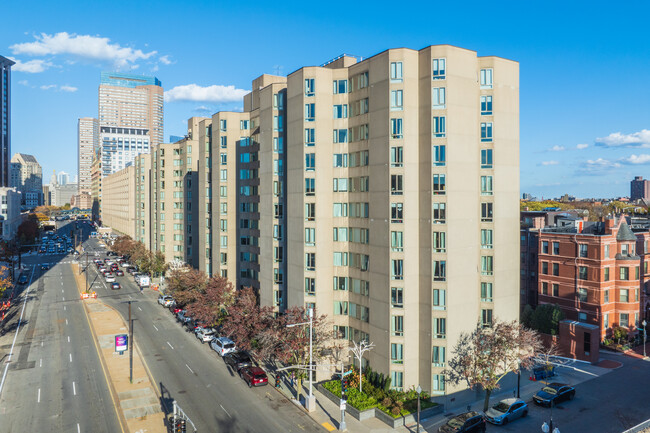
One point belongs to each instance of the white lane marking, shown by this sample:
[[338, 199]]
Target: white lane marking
[[68, 338], [155, 327], [11, 351], [74, 389], [78, 428], [71, 357], [139, 308], [39, 396], [170, 345], [64, 307], [64, 298], [40, 363], [41, 344], [224, 409], [66, 321], [188, 367]]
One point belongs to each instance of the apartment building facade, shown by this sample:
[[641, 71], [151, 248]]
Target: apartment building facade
[[595, 272], [119, 201], [87, 142], [27, 177], [5, 120]]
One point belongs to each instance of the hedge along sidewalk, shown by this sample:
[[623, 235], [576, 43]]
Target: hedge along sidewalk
[[137, 404]]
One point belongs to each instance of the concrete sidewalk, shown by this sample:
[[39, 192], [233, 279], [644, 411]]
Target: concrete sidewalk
[[137, 404]]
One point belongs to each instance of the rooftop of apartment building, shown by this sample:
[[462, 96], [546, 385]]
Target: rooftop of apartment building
[[121, 79]]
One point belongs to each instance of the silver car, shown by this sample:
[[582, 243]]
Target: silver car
[[506, 411], [205, 335]]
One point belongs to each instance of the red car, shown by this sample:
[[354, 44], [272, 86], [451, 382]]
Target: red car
[[254, 376], [175, 310]]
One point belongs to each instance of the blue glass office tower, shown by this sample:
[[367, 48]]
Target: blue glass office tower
[[5, 118]]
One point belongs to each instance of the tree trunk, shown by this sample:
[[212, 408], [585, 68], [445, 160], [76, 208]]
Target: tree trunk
[[486, 403]]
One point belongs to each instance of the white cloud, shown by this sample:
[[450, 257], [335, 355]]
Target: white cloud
[[31, 66], [165, 60], [66, 88], [549, 162], [203, 108], [582, 146], [601, 163], [63, 88], [48, 87], [214, 93], [636, 159], [23, 83], [616, 139], [84, 46], [557, 148]]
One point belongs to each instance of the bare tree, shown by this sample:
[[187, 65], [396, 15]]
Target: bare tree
[[487, 354], [359, 350]]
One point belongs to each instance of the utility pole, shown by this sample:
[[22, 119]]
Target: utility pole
[[130, 345]]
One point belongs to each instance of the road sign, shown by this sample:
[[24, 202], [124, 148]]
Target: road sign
[[342, 404], [121, 342], [348, 372]]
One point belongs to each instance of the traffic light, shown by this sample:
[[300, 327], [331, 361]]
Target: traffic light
[[179, 426], [344, 389]]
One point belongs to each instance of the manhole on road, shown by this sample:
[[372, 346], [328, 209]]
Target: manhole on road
[[182, 392]]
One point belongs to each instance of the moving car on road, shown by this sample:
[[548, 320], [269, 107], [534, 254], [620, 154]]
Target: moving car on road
[[254, 376], [110, 278], [22, 279], [554, 393], [468, 422], [119, 272], [506, 410], [223, 346], [115, 286], [45, 266]]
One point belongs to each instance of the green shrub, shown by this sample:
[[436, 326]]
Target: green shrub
[[387, 383]]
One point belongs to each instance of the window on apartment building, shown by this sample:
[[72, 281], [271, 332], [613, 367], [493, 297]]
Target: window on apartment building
[[439, 327], [625, 320], [223, 125], [397, 269], [310, 211], [223, 225], [397, 241], [339, 86], [605, 321], [624, 273], [439, 69], [397, 380], [486, 158], [439, 270], [278, 123], [486, 78], [582, 294], [243, 124], [438, 383], [605, 296], [310, 261], [544, 247], [310, 186], [396, 353], [277, 232], [277, 188], [438, 356], [396, 99], [486, 238], [583, 250], [396, 128], [625, 249], [439, 97], [310, 112], [486, 185], [223, 158], [340, 111], [397, 326], [439, 214], [544, 288], [556, 269], [340, 135], [340, 234], [340, 184], [486, 131], [278, 277], [486, 318], [439, 126], [439, 242], [340, 160], [223, 241], [556, 248], [310, 137], [223, 175], [438, 155], [396, 71], [606, 252], [223, 208], [396, 212], [310, 86], [624, 295], [486, 105], [582, 317], [582, 273], [396, 297], [439, 299], [439, 184], [396, 184], [486, 212], [636, 295], [396, 156], [486, 292], [278, 102], [556, 289], [636, 272], [340, 210], [310, 161], [310, 286], [278, 255], [310, 236], [487, 265]]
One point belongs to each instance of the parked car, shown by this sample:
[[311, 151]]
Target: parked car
[[205, 335], [506, 410], [554, 393], [45, 266], [174, 308], [468, 422], [165, 301], [22, 279], [238, 360], [254, 376], [223, 345], [115, 286]]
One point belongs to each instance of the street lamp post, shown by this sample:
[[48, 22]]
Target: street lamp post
[[419, 391], [311, 400], [548, 428], [644, 336]]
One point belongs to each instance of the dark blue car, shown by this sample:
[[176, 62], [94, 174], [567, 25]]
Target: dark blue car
[[553, 394]]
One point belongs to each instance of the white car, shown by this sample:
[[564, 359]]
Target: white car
[[222, 345], [205, 334], [165, 301], [110, 278]]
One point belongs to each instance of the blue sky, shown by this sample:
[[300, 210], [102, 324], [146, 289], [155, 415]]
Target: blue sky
[[584, 93]]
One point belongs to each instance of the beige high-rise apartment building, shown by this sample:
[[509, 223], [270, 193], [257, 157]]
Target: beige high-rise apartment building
[[119, 201], [87, 142], [143, 200]]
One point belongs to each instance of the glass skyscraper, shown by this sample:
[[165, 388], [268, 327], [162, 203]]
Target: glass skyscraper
[[5, 118]]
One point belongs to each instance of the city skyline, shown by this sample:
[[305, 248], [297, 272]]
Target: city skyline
[[571, 142]]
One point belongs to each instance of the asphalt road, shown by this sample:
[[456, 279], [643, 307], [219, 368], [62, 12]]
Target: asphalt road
[[54, 380], [213, 396]]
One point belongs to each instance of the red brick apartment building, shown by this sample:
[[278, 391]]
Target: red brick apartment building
[[595, 271]]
